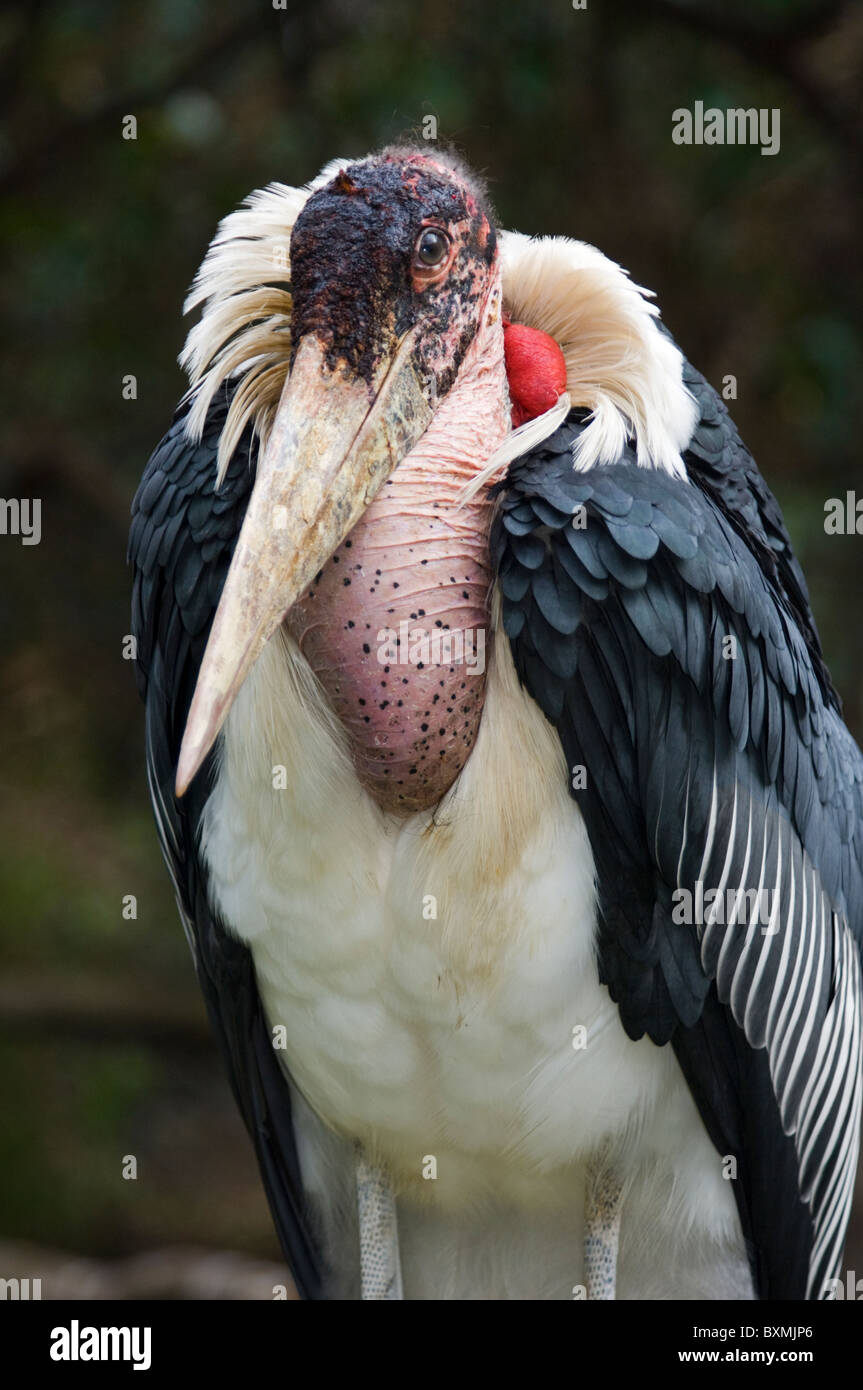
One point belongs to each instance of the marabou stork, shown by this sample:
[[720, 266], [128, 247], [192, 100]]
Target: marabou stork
[[448, 721]]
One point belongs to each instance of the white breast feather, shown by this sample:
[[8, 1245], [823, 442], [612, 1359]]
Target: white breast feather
[[451, 1036]]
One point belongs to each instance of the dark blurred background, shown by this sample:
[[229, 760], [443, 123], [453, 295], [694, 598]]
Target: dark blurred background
[[104, 1051]]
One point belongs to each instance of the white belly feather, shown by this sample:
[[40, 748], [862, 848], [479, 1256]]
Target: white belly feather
[[429, 973]]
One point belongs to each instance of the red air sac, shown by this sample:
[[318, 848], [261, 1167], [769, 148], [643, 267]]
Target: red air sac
[[535, 369]]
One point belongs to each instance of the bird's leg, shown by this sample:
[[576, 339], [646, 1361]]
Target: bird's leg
[[380, 1266], [602, 1204]]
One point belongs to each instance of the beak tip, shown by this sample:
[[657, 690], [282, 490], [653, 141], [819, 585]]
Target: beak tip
[[188, 765]]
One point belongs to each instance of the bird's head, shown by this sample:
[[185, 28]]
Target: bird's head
[[395, 282], [394, 257]]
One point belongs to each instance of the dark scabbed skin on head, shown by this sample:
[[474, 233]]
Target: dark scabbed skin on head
[[352, 252]]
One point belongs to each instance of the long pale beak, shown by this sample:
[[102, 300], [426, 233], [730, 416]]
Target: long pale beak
[[334, 442]]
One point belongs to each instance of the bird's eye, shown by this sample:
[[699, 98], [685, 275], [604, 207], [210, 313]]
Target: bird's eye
[[432, 247]]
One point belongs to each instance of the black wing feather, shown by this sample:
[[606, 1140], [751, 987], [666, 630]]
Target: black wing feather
[[671, 642], [181, 541]]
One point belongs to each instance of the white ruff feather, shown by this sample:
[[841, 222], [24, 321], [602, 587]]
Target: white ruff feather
[[619, 365]]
